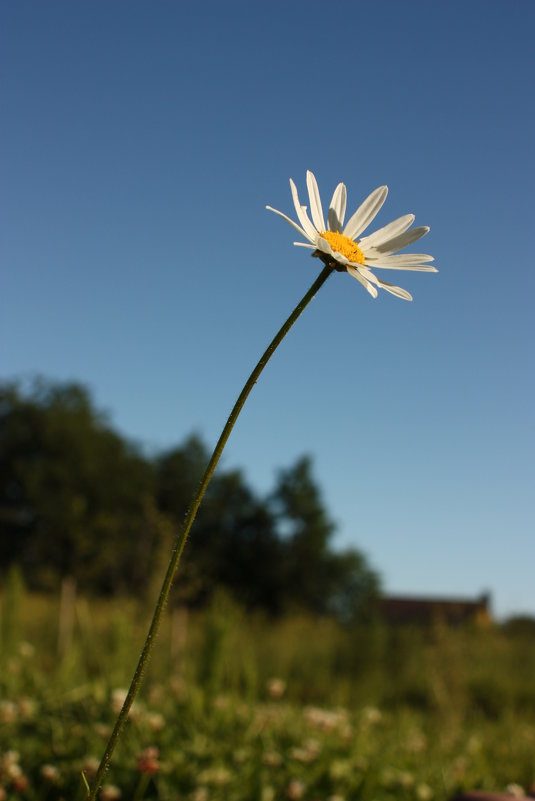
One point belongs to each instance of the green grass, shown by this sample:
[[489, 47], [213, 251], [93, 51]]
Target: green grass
[[362, 713]]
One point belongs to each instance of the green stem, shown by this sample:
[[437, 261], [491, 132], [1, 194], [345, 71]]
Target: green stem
[[143, 783], [182, 536]]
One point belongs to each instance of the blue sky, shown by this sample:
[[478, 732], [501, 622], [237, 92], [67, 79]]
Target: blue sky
[[140, 143]]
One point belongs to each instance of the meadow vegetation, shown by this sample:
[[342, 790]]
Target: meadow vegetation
[[241, 705]]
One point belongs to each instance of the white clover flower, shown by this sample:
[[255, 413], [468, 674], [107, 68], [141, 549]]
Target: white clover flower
[[109, 792], [358, 256]]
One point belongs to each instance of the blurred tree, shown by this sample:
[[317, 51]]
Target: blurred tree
[[75, 498], [234, 544], [304, 529], [353, 586], [178, 474], [520, 625], [314, 576]]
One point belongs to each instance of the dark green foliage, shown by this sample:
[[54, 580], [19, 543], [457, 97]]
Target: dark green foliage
[[313, 575], [76, 499], [178, 474], [234, 544]]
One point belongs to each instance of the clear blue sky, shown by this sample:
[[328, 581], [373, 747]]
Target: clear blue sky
[[140, 142]]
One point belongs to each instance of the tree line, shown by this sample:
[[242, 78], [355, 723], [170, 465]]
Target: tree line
[[78, 499]]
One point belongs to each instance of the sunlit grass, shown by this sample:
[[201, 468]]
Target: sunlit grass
[[239, 706]]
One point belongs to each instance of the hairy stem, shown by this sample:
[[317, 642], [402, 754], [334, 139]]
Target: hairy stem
[[182, 536]]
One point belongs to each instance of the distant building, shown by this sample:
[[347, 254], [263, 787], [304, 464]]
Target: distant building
[[406, 610]]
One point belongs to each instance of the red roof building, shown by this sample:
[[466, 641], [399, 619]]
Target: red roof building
[[407, 610]]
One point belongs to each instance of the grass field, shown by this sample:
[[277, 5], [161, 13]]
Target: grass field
[[239, 707]]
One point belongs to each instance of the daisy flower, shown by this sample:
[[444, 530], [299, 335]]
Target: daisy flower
[[333, 243]]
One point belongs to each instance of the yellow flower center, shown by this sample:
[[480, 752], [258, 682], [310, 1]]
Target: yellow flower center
[[342, 244]]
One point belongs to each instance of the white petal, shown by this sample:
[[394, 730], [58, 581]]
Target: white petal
[[315, 202], [394, 290], [302, 214], [401, 261], [398, 291], [366, 284], [367, 273], [324, 246], [398, 242], [415, 268], [337, 210], [305, 245], [366, 212], [387, 231], [284, 217]]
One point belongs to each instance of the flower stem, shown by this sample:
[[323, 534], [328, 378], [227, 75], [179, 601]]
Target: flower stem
[[182, 536]]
